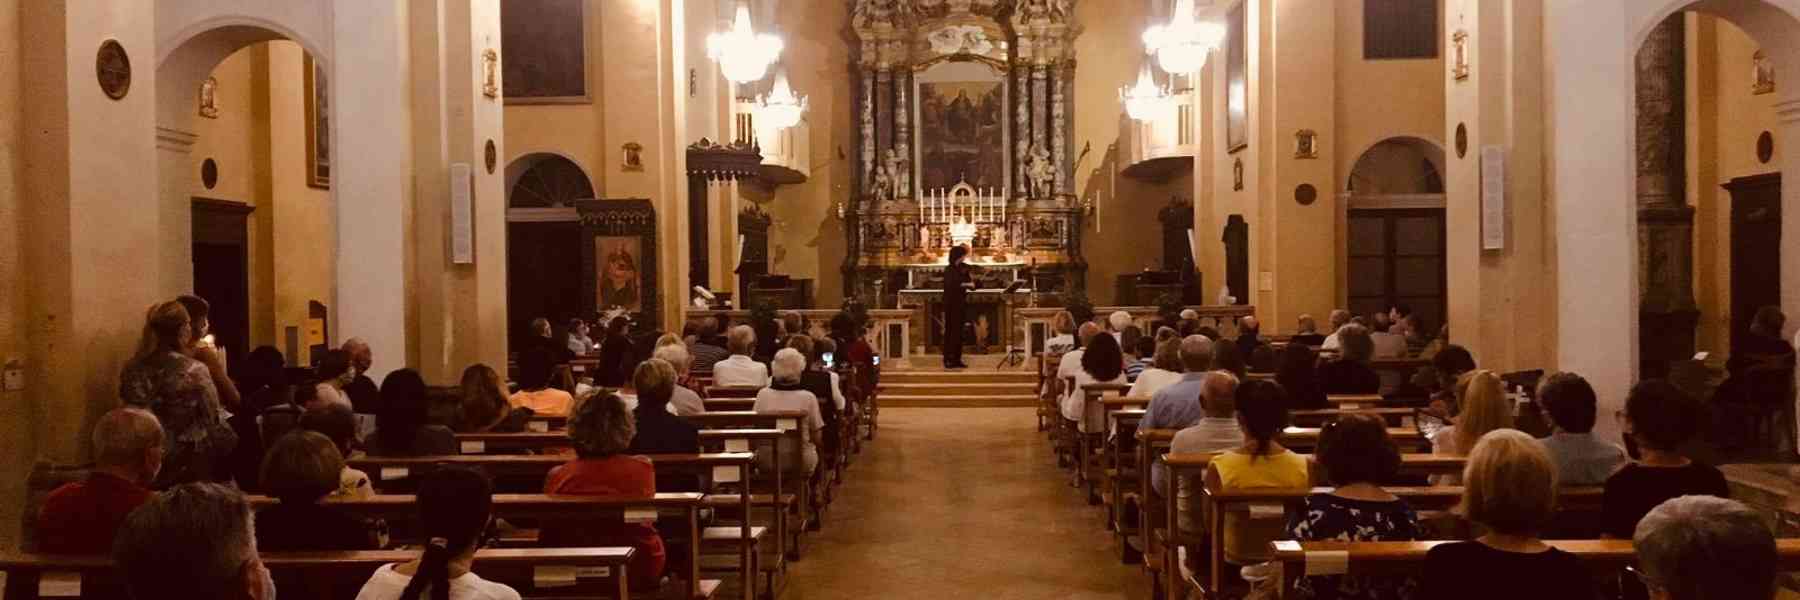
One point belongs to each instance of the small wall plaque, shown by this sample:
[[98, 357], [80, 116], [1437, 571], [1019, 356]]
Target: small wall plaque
[[490, 156], [1306, 144], [1237, 175], [112, 67], [490, 73], [1459, 66], [1306, 194], [1765, 147], [634, 157]]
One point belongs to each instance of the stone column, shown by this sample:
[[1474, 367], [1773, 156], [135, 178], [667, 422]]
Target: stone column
[[903, 133], [1059, 154], [1040, 99], [868, 132], [884, 107], [1667, 312], [1021, 128]]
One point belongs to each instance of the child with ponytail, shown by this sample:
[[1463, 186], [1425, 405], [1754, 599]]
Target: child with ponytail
[[454, 512]]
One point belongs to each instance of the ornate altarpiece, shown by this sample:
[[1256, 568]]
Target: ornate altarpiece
[[951, 92]]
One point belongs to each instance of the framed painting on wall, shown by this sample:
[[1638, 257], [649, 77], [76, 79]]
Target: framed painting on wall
[[1237, 82], [318, 123], [619, 264], [961, 112], [546, 44]]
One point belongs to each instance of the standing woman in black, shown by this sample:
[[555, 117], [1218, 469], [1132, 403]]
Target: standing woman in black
[[956, 291]]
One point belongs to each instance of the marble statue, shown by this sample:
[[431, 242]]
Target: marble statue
[[1041, 171], [896, 172], [882, 186]]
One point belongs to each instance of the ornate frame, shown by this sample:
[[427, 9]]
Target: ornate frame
[[615, 218]]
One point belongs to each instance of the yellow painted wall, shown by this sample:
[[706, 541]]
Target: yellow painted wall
[[806, 240], [302, 233], [15, 425], [1725, 118]]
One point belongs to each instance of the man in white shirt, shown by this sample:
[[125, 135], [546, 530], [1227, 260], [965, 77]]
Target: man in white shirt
[[1116, 324], [740, 369], [1071, 366], [1339, 318]]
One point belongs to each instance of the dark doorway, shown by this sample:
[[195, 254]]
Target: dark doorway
[[1755, 249], [1397, 257], [543, 274], [222, 269]]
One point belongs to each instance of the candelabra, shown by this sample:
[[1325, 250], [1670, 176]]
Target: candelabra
[[962, 210]]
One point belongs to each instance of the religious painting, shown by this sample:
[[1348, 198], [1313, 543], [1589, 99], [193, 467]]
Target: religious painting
[[209, 98], [1237, 83], [546, 51], [317, 96], [962, 128], [620, 278], [1764, 73]]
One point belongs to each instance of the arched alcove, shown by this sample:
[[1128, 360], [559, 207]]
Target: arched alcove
[[1395, 230], [543, 240], [546, 180], [1398, 165]]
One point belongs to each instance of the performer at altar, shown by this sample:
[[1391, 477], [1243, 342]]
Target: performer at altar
[[957, 283]]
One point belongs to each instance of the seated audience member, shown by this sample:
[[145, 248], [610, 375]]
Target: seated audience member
[[1227, 358], [1401, 316], [1165, 369], [705, 352], [686, 395], [301, 469], [166, 380], [364, 395], [1116, 324], [1486, 409], [1190, 326], [1261, 462], [616, 354], [485, 407], [542, 337], [816, 379], [602, 430], [1249, 336], [334, 373], [740, 369], [338, 424], [80, 517], [1130, 343], [264, 378], [1217, 432], [576, 338], [1761, 371], [1166, 333], [1350, 373], [1308, 332], [1306, 325], [1581, 458], [1063, 325], [828, 347], [1188, 314], [195, 540], [1660, 418], [1698, 547], [847, 331], [1071, 360], [537, 371], [659, 431], [1510, 490], [1101, 362], [787, 393], [1209, 332], [1177, 405], [1336, 322], [402, 428], [455, 508], [1357, 456], [1387, 344], [1299, 375], [1447, 368]]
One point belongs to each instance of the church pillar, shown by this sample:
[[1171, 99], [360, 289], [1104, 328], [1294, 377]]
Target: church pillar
[[1667, 312], [1040, 99], [461, 307], [1299, 238], [1059, 155], [371, 177], [1021, 129], [903, 134], [1501, 299]]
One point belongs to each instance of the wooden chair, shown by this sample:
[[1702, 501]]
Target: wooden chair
[[532, 571]]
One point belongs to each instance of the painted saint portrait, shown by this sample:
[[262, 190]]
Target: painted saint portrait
[[962, 134], [620, 275]]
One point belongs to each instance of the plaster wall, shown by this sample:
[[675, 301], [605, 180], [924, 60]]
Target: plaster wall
[[15, 422], [806, 239], [1304, 96], [300, 223]]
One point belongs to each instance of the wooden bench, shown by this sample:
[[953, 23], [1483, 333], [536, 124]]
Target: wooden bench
[[1356, 401], [732, 391], [600, 571], [730, 404], [1091, 395], [1395, 417], [560, 509], [1407, 558]]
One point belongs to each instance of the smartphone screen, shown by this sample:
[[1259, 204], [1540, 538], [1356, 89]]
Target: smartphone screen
[[828, 358], [878, 360]]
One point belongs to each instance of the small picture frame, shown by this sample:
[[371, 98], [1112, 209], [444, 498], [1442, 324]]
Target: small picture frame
[[1237, 175], [1459, 65], [633, 157], [1765, 74], [1306, 144], [490, 73], [209, 98]]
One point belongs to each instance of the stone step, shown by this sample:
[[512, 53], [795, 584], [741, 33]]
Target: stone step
[[966, 376], [958, 400], [952, 389]]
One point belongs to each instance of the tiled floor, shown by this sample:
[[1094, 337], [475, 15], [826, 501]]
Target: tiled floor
[[956, 501]]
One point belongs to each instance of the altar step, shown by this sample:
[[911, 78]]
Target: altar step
[[959, 377], [957, 400], [970, 388]]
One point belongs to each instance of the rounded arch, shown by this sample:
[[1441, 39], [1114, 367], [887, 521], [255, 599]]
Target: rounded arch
[[1398, 165], [544, 179], [1775, 24]]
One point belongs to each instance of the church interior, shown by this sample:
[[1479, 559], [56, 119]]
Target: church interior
[[907, 237]]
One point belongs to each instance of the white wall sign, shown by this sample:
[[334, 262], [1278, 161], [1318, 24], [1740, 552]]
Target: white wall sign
[[1493, 198], [462, 215]]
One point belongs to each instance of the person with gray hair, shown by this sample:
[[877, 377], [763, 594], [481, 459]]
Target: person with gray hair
[[1339, 318], [1177, 405], [1350, 373], [365, 396], [786, 393], [81, 516], [1695, 547], [1117, 322], [196, 540], [740, 369], [686, 401]]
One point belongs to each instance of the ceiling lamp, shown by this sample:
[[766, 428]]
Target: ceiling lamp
[[743, 54], [780, 108], [1181, 45], [1146, 101]]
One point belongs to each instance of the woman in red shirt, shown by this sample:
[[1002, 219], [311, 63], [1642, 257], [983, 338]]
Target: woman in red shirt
[[602, 429]]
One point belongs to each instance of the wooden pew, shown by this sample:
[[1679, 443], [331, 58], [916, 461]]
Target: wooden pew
[[1085, 471], [1357, 401], [733, 391], [1406, 558], [521, 568], [553, 508], [778, 499], [730, 404], [1122, 479], [1395, 417]]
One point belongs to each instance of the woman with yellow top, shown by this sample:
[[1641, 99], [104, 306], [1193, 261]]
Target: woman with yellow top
[[1262, 462]]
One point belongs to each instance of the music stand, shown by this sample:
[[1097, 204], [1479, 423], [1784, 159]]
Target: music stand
[[1015, 355]]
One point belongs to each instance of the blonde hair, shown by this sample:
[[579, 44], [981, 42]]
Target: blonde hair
[[163, 325], [741, 340], [787, 365], [669, 339], [601, 426], [1484, 409], [677, 356], [654, 379], [484, 400], [1509, 483], [1063, 322]]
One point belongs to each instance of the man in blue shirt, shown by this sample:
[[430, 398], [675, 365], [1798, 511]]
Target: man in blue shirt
[[1178, 405]]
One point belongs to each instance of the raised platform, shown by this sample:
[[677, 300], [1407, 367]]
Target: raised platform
[[923, 382]]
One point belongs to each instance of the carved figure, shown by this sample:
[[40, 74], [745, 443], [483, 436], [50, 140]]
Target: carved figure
[[1042, 172], [896, 171], [882, 186]]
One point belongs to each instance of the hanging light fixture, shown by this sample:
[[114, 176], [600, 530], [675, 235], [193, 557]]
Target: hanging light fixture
[[1181, 45], [743, 54], [1145, 100], [781, 108]]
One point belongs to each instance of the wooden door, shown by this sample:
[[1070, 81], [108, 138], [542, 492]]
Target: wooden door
[[543, 275], [1396, 256], [1755, 249], [222, 269]]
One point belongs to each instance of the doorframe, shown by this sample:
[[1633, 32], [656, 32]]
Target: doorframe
[[237, 234], [1398, 205]]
